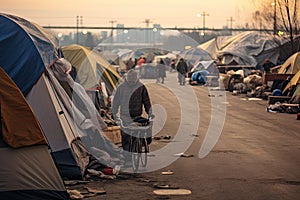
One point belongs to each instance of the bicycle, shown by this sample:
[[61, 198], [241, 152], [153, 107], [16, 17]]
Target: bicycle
[[138, 145]]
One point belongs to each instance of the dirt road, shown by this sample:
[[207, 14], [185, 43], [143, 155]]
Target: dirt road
[[255, 157]]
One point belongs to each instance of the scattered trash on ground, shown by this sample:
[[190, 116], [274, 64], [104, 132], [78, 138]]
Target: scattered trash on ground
[[75, 194], [167, 186], [254, 99], [172, 192], [169, 172], [99, 174], [85, 192], [213, 95], [183, 155], [166, 137], [95, 191]]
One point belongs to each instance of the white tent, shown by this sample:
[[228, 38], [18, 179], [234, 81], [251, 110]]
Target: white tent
[[72, 125], [195, 54], [247, 48]]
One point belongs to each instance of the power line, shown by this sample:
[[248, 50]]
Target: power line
[[169, 28]]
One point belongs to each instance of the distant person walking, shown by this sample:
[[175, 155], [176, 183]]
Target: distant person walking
[[129, 64], [161, 72], [172, 65], [140, 62], [182, 69]]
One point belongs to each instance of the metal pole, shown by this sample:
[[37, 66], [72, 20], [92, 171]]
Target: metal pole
[[111, 33], [230, 26], [77, 23], [204, 15], [275, 17]]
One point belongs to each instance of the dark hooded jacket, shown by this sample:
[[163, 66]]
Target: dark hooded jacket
[[182, 67], [131, 98]]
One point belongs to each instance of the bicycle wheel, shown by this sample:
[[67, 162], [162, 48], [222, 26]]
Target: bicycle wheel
[[135, 155], [144, 151]]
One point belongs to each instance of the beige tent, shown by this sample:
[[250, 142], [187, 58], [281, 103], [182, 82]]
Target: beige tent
[[91, 67], [293, 82], [291, 65], [113, 59], [27, 170]]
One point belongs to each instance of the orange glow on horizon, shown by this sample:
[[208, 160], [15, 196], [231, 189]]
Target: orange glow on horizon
[[168, 13]]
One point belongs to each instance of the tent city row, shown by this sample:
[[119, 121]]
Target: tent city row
[[56, 101]]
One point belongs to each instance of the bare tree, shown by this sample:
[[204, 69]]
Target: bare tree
[[285, 15], [288, 13]]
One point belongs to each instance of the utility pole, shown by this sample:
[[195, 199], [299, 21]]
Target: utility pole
[[112, 29], [230, 20], [203, 14], [77, 27], [77, 23], [147, 22]]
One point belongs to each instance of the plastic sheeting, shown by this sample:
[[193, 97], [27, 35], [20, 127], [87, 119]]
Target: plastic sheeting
[[247, 48]]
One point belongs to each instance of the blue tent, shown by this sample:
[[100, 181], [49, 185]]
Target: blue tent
[[200, 76], [25, 52], [25, 49], [30, 57]]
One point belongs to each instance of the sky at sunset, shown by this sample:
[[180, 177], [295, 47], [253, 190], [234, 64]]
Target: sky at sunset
[[167, 13]]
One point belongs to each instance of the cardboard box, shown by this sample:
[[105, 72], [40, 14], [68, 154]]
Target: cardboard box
[[113, 133], [281, 99]]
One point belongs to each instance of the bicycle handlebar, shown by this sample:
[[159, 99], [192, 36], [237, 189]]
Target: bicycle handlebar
[[135, 125]]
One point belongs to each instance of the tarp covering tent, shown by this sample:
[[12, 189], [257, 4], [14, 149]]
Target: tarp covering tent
[[291, 65], [148, 53], [113, 59], [206, 65], [75, 132], [35, 49], [247, 48], [27, 170], [120, 52], [62, 107], [200, 76], [195, 54], [91, 67]]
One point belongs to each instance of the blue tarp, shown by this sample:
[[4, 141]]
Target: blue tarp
[[200, 76], [25, 50]]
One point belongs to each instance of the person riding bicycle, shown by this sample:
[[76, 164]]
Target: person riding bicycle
[[129, 99]]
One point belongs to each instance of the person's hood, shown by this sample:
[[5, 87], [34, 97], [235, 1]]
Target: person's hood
[[132, 85]]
